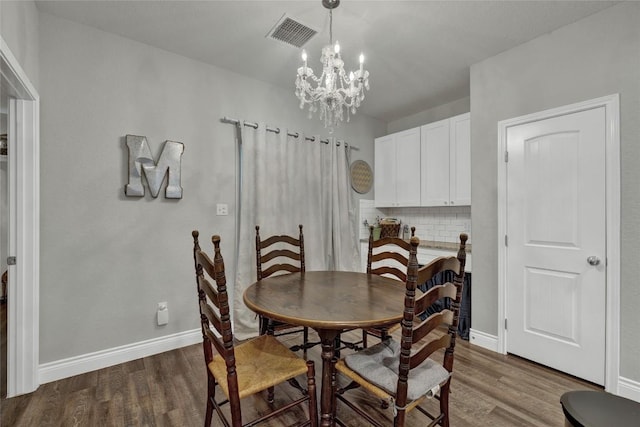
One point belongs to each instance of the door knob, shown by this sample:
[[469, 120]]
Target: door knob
[[593, 260]]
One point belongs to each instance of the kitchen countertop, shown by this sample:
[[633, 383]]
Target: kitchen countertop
[[434, 244]]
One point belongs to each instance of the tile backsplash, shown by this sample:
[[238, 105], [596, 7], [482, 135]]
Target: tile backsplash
[[442, 224]]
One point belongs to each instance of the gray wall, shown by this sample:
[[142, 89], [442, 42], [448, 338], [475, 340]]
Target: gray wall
[[594, 57], [106, 259], [19, 29], [431, 115]]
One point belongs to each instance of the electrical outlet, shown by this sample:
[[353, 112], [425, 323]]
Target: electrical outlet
[[222, 209], [163, 313]]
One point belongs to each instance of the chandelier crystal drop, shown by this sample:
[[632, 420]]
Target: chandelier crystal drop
[[333, 91]]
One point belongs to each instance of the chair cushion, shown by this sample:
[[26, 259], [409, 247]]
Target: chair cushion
[[380, 365], [261, 362]]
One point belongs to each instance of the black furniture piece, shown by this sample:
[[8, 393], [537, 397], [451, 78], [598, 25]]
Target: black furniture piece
[[586, 408], [464, 324]]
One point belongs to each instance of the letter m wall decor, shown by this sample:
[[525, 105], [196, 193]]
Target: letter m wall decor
[[141, 161]]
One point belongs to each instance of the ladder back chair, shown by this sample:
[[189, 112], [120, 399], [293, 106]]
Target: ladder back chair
[[280, 254], [406, 373], [246, 369], [387, 256]]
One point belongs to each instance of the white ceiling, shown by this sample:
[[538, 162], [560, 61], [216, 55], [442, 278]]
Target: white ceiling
[[418, 53]]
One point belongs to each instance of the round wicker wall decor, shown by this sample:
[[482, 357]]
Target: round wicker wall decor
[[361, 176]]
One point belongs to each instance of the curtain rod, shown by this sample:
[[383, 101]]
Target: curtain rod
[[226, 119]]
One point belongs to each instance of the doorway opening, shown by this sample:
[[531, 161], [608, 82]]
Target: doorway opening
[[23, 214], [4, 239]]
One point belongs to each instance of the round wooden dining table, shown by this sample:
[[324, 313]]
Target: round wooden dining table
[[329, 302]]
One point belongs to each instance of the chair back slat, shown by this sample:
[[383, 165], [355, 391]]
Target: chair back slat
[[279, 239], [210, 292], [214, 339], [424, 301], [431, 323], [280, 253], [421, 354], [391, 240], [391, 255], [287, 259], [397, 273], [436, 266], [207, 264], [212, 317], [279, 268]]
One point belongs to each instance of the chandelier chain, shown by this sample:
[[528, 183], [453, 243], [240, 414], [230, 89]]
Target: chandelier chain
[[330, 26]]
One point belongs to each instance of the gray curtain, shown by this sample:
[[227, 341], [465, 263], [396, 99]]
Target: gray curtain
[[286, 181]]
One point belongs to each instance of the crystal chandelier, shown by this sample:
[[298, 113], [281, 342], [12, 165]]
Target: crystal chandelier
[[334, 91]]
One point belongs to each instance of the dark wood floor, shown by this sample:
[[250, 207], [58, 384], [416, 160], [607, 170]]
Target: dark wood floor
[[169, 389]]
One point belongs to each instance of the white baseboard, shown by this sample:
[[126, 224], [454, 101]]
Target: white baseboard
[[59, 369], [629, 388], [484, 340]]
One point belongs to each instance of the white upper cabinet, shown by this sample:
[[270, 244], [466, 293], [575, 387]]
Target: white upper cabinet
[[397, 169], [460, 160], [435, 164], [446, 161], [384, 176]]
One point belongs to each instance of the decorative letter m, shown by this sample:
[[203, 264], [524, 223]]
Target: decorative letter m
[[141, 160]]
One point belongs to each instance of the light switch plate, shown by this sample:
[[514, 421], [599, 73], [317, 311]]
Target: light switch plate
[[163, 313], [222, 209]]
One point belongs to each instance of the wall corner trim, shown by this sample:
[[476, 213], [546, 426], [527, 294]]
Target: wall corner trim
[[59, 369], [484, 340]]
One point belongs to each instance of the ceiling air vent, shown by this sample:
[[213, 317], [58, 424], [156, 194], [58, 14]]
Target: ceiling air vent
[[292, 32]]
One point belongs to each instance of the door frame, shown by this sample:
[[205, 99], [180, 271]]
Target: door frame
[[23, 320], [612, 190]]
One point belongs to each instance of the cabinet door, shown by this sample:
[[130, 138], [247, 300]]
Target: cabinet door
[[434, 152], [384, 177], [460, 160], [408, 167]]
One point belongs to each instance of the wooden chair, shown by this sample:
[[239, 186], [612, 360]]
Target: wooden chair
[[248, 368], [5, 278], [403, 373], [278, 255], [387, 256]]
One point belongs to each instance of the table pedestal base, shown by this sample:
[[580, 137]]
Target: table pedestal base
[[327, 337]]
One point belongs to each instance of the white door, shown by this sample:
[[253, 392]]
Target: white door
[[556, 230]]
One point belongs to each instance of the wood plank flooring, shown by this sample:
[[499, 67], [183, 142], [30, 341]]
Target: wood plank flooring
[[169, 389]]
